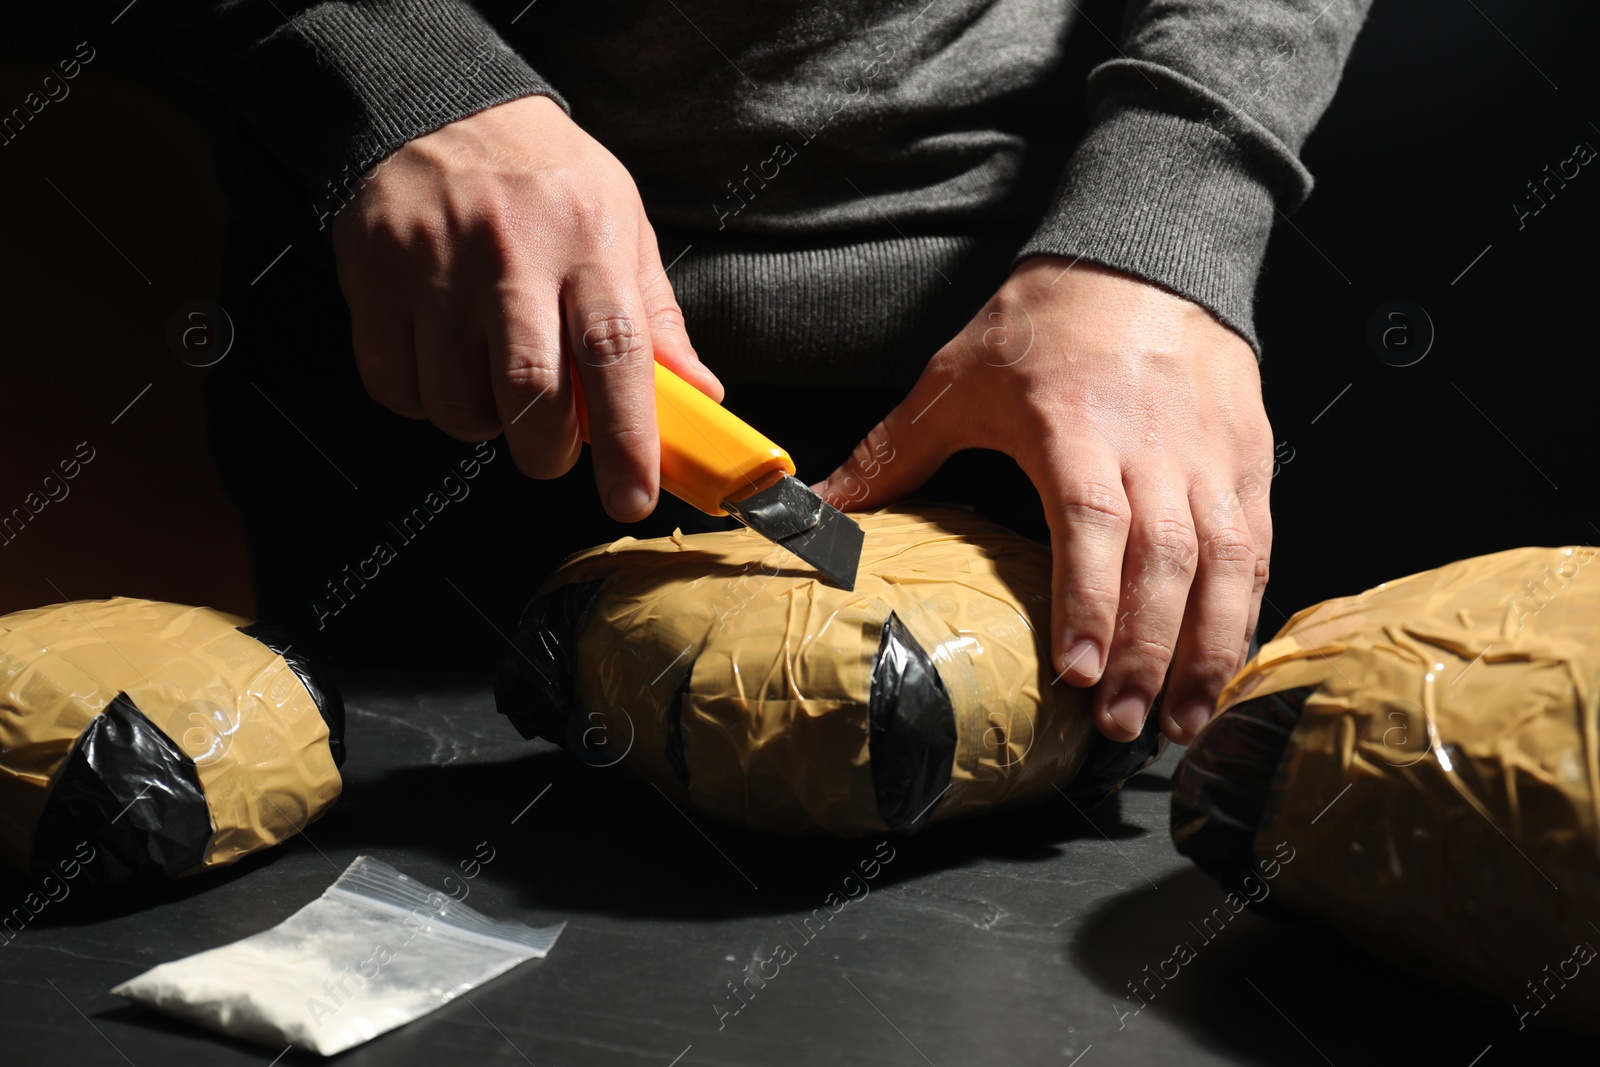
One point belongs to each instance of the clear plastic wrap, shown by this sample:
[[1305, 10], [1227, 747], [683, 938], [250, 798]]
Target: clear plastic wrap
[[376, 950]]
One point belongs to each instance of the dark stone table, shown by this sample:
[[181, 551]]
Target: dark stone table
[[1010, 939]]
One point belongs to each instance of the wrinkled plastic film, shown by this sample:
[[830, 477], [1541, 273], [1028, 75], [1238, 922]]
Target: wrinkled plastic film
[[1440, 785], [1110, 764], [232, 710], [721, 648], [313, 675], [534, 686], [376, 950], [912, 729], [128, 789], [1220, 797]]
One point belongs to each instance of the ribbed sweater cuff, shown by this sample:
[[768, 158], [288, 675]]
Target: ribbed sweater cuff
[[1167, 199], [341, 85]]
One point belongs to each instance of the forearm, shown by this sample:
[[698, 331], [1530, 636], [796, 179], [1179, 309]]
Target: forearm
[[333, 87], [1194, 146]]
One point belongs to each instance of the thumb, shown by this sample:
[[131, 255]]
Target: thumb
[[902, 451], [669, 336]]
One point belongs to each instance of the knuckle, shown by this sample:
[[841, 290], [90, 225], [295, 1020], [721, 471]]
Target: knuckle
[[666, 320], [873, 451], [623, 440], [494, 218], [1263, 571], [611, 337], [1216, 663], [526, 372], [1229, 545], [1145, 654], [854, 467], [1169, 545], [1093, 603], [1095, 503], [589, 212], [666, 314]]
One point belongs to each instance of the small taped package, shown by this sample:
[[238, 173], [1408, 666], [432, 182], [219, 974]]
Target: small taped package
[[1430, 752], [731, 676], [141, 740], [376, 950]]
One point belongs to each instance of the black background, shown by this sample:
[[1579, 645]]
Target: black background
[[1482, 445], [1446, 110]]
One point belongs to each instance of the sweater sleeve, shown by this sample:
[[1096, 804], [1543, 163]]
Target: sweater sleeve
[[1193, 145], [331, 87]]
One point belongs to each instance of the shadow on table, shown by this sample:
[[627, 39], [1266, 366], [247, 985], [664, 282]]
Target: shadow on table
[[58, 903], [578, 838], [588, 839], [1280, 992]]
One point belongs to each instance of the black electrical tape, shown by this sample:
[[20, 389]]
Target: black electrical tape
[[1111, 763], [312, 674], [1221, 789], [912, 724], [533, 685], [130, 793]]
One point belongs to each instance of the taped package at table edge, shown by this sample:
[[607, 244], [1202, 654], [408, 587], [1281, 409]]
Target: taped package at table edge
[[1417, 767], [144, 740]]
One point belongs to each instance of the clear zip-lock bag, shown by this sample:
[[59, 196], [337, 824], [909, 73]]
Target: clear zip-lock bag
[[375, 951]]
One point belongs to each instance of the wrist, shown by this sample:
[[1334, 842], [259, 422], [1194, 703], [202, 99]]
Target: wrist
[[1111, 301]]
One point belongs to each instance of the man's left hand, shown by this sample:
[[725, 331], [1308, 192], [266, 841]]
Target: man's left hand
[[1138, 417]]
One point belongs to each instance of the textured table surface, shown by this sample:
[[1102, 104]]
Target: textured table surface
[[1011, 939]]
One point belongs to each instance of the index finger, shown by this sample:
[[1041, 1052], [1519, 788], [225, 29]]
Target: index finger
[[1080, 484]]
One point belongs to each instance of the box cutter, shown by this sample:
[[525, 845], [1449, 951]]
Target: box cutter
[[714, 460]]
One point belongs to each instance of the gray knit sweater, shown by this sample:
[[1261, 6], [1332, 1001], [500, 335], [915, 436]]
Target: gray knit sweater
[[840, 172]]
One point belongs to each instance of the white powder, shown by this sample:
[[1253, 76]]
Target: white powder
[[376, 950]]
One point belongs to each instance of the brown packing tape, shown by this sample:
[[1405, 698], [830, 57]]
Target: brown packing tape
[[228, 702], [778, 665], [1442, 790]]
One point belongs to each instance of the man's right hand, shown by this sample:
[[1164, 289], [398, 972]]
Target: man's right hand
[[483, 257]]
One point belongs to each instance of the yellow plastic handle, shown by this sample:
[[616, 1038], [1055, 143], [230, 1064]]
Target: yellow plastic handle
[[708, 453]]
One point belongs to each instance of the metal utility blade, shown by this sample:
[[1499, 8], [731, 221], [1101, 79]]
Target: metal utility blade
[[788, 513]]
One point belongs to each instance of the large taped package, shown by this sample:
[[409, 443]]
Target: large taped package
[[732, 677], [1429, 751], [142, 740]]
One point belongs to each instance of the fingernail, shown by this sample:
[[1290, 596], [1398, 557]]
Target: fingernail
[[1191, 715], [1084, 657], [1128, 711], [629, 499]]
